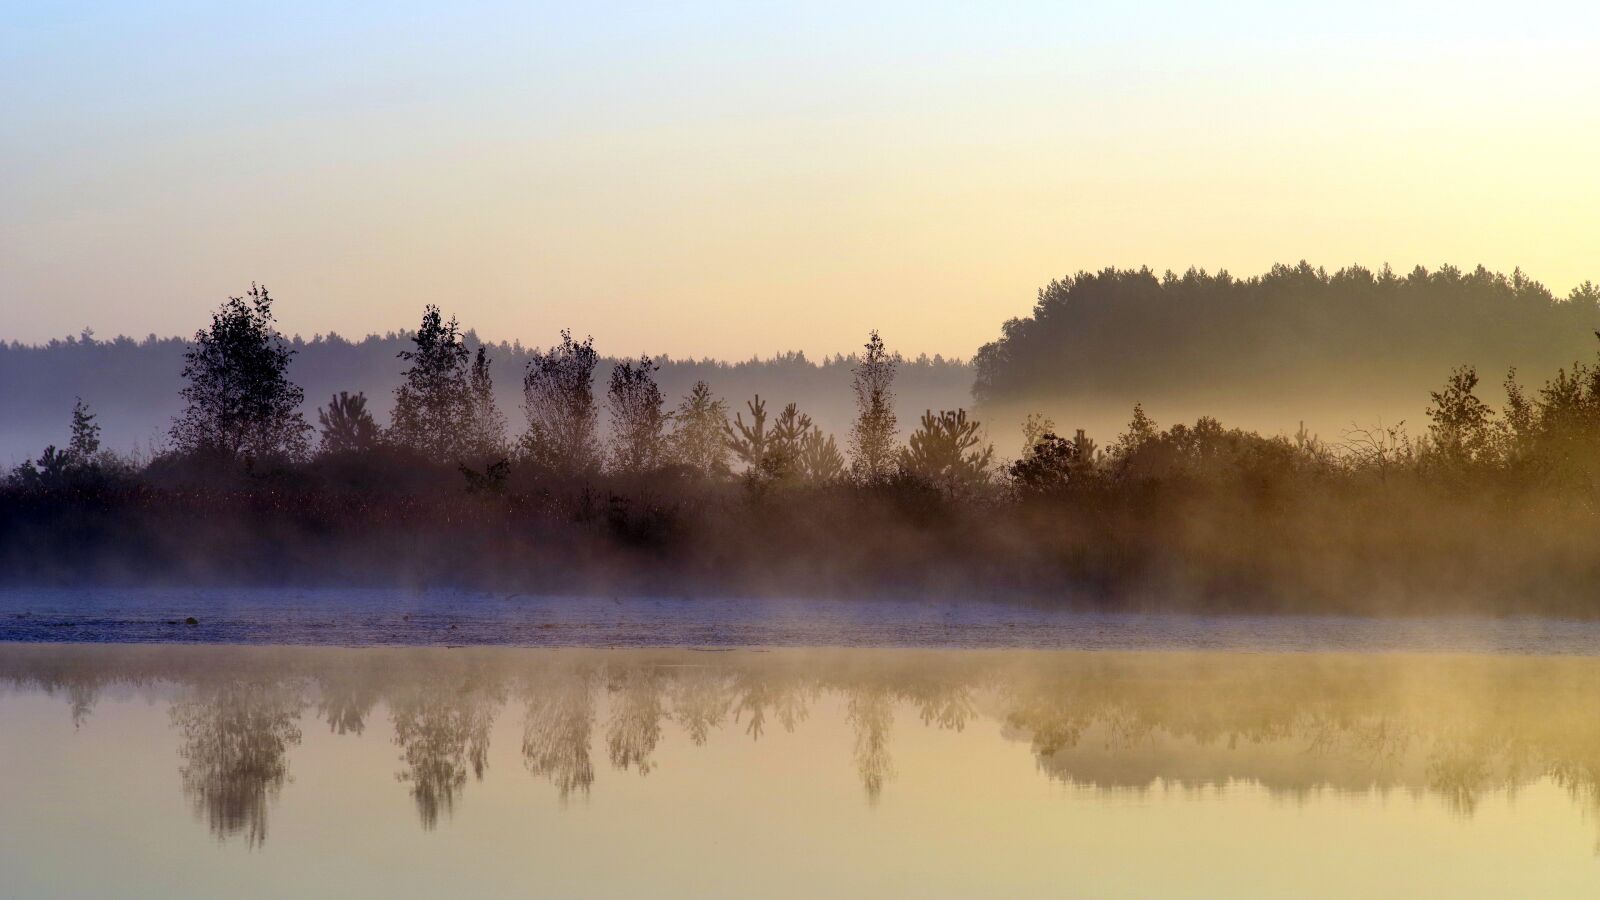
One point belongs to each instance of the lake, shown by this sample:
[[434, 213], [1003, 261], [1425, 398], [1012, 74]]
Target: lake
[[204, 770]]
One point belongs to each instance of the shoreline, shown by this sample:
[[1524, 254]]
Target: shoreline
[[384, 617]]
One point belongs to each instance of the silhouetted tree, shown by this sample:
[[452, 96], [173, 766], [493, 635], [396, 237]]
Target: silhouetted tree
[[638, 423], [347, 426], [698, 440], [820, 460], [1554, 437], [1054, 463], [432, 405], [1141, 430], [948, 450], [1461, 430], [872, 451], [57, 468], [485, 429], [50, 471], [85, 440], [748, 442], [785, 443], [777, 453], [558, 396], [240, 403]]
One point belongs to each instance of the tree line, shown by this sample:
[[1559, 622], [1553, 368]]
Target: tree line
[[241, 407], [1479, 506], [134, 384], [1296, 330]]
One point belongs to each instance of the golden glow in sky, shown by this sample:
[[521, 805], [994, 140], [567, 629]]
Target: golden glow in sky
[[731, 181]]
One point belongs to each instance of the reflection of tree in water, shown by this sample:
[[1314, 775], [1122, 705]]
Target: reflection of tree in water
[[556, 733], [634, 726], [701, 698], [82, 698], [871, 713], [442, 727], [1455, 728], [785, 695], [346, 703], [235, 739]]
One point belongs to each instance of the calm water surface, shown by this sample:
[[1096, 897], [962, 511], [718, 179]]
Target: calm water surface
[[165, 771]]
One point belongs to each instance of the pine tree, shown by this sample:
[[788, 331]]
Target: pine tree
[[948, 451], [347, 426], [785, 443], [85, 441], [748, 442], [698, 441], [820, 460]]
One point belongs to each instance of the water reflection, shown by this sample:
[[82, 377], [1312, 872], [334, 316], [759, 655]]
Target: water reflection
[[442, 727], [236, 737], [557, 731], [1453, 729]]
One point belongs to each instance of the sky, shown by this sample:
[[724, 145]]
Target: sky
[[741, 179]]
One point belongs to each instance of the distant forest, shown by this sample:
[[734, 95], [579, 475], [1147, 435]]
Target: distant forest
[[133, 384], [1296, 345]]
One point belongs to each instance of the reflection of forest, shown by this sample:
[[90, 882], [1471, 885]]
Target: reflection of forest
[[1454, 728]]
